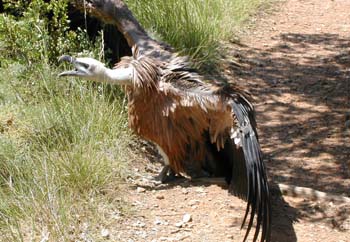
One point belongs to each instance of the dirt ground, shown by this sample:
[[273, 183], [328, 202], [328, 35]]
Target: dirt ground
[[296, 62]]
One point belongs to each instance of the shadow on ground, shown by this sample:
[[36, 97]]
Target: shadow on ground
[[302, 89], [301, 85]]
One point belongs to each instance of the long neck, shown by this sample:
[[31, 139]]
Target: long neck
[[118, 76]]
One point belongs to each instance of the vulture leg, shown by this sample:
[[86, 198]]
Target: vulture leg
[[167, 175], [163, 175]]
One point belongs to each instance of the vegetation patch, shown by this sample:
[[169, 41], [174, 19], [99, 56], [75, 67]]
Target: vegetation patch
[[195, 28]]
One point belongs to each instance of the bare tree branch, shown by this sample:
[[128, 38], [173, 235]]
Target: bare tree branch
[[116, 12]]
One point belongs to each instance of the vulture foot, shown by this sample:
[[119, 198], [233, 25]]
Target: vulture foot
[[167, 175]]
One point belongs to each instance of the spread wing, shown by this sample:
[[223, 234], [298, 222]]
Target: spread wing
[[232, 131]]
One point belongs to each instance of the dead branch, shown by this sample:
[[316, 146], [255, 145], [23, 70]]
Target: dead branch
[[117, 13]]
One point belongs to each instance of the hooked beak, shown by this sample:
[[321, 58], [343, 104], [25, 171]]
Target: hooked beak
[[72, 60]]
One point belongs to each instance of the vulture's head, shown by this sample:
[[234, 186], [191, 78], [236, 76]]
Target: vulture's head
[[95, 70]]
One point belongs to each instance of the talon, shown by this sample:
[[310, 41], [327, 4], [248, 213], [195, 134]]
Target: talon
[[162, 176], [167, 175]]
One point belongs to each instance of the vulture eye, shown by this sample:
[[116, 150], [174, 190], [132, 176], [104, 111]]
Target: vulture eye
[[86, 66]]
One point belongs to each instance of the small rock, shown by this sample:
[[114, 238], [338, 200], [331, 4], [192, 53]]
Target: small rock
[[187, 218], [179, 224], [140, 189], [159, 196], [105, 233], [158, 221]]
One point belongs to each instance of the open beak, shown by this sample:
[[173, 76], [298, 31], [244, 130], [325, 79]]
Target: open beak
[[71, 60]]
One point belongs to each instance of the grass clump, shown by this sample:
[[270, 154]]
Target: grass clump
[[64, 144], [195, 28]]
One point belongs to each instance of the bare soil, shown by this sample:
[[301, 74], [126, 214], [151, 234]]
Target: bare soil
[[296, 62]]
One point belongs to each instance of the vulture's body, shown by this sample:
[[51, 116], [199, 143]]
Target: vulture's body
[[200, 128]]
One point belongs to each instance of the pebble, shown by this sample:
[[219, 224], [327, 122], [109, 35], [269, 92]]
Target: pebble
[[159, 196], [184, 191], [187, 218], [158, 221], [179, 224], [105, 233], [140, 189]]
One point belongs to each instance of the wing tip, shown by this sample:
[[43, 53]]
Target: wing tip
[[258, 195]]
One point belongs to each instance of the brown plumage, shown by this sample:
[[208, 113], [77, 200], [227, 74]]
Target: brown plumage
[[201, 127]]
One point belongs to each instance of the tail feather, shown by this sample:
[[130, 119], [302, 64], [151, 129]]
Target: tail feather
[[257, 194]]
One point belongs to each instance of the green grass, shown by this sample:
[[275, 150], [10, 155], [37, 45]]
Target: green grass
[[62, 148], [195, 28], [64, 143]]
